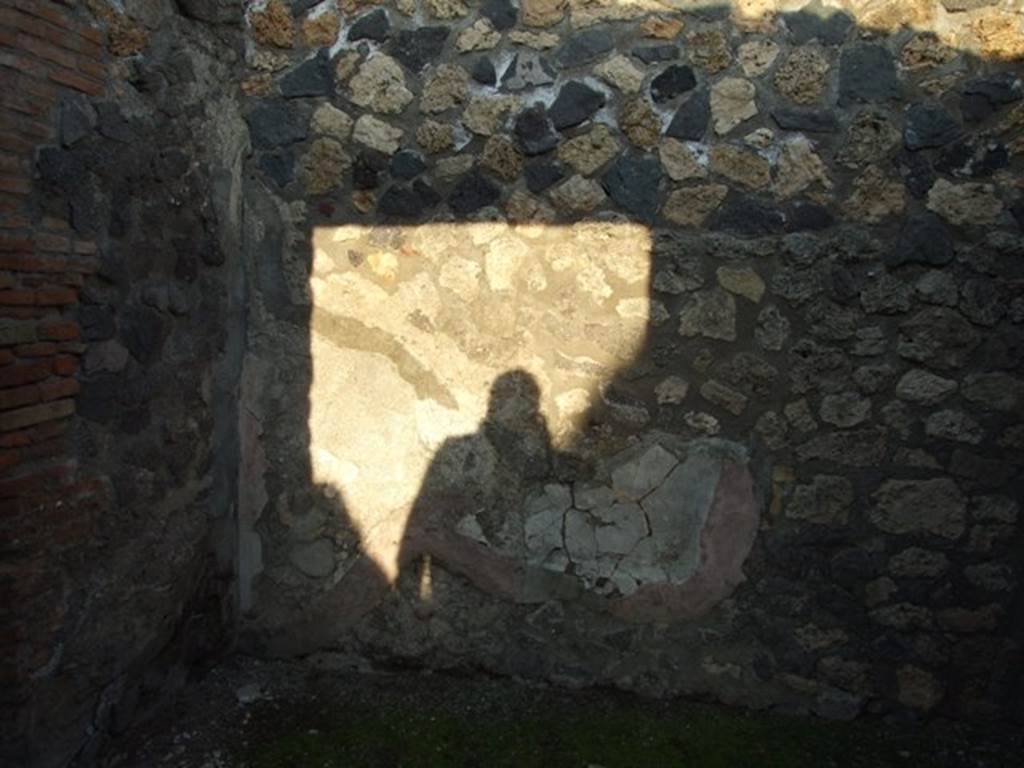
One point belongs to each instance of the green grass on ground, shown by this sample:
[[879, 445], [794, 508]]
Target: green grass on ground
[[678, 736]]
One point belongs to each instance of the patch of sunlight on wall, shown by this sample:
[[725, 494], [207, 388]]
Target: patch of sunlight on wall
[[412, 325]]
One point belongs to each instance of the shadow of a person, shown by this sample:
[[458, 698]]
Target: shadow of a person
[[464, 515]]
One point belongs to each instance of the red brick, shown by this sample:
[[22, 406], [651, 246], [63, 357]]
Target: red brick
[[62, 331], [7, 280], [22, 313], [11, 221], [10, 141], [15, 397], [38, 349], [9, 457], [47, 242], [35, 414], [16, 439], [61, 35], [91, 67], [13, 164], [37, 434], [48, 449], [8, 37], [85, 247], [18, 298], [58, 16], [38, 480], [19, 333], [24, 64], [28, 262], [49, 430], [24, 102], [74, 279], [78, 82], [14, 243], [52, 389], [6, 357], [46, 93], [45, 50], [56, 297], [65, 365], [15, 185], [56, 223], [17, 375], [73, 347]]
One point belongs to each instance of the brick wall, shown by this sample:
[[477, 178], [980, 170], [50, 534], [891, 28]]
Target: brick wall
[[46, 506]]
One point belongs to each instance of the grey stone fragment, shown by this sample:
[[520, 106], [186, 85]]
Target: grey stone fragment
[[633, 183], [678, 509], [825, 501], [399, 201], [814, 21], [580, 541], [772, 329], [315, 559], [937, 287], [313, 77], [77, 119], [528, 69], [623, 525], [471, 193], [918, 563], [574, 104], [954, 425], [545, 512], [673, 81], [407, 164], [723, 396], [924, 387], [746, 215], [213, 11], [415, 48], [637, 477], [863, 447], [711, 314], [998, 89], [807, 120], [984, 301], [534, 131], [371, 26], [867, 73], [483, 71], [690, 121], [886, 295], [585, 47], [914, 506], [924, 239], [994, 391], [929, 125], [273, 124], [540, 176], [501, 13], [937, 337], [846, 409], [279, 166], [649, 54]]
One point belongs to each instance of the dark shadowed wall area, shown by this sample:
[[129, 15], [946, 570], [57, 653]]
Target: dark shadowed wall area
[[669, 345]]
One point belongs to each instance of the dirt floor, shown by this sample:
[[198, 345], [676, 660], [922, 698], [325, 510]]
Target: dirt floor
[[321, 713]]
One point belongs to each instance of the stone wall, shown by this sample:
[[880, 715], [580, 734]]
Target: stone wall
[[664, 344], [667, 345]]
